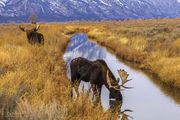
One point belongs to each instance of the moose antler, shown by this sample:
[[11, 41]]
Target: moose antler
[[37, 27], [21, 28], [117, 87], [124, 77]]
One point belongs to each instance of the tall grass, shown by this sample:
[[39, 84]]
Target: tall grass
[[33, 82]]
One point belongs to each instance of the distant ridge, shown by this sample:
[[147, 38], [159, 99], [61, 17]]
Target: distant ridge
[[69, 10]]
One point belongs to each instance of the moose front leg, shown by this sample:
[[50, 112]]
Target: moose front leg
[[75, 84], [99, 88], [76, 87], [97, 92]]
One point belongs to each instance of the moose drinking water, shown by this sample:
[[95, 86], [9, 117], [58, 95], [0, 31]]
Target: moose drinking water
[[98, 74]]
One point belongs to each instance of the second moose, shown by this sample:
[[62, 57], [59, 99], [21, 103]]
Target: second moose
[[33, 36]]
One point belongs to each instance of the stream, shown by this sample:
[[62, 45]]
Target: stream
[[147, 100]]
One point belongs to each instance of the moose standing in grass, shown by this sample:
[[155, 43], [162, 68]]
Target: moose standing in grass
[[33, 36], [98, 74]]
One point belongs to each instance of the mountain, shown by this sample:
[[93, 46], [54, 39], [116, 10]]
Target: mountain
[[67, 10]]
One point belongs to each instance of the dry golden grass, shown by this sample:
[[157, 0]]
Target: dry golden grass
[[30, 88]]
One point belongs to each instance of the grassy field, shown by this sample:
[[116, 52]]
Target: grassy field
[[31, 89], [151, 45]]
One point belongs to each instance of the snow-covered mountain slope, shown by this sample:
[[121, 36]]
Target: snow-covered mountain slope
[[65, 10]]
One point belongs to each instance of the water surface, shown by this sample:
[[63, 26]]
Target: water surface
[[147, 100]]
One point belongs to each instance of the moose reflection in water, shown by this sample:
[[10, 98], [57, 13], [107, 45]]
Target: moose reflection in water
[[115, 109]]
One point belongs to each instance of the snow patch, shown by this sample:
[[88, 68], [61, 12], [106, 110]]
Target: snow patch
[[3, 2], [104, 3]]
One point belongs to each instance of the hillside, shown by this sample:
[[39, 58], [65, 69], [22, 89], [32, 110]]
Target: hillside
[[68, 10]]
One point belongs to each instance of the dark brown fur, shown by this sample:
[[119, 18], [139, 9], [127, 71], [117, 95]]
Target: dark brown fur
[[33, 36], [94, 72]]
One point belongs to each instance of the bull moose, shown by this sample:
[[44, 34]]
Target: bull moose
[[32, 35], [98, 74]]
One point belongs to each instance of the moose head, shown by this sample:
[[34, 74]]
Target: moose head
[[115, 90], [32, 35]]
